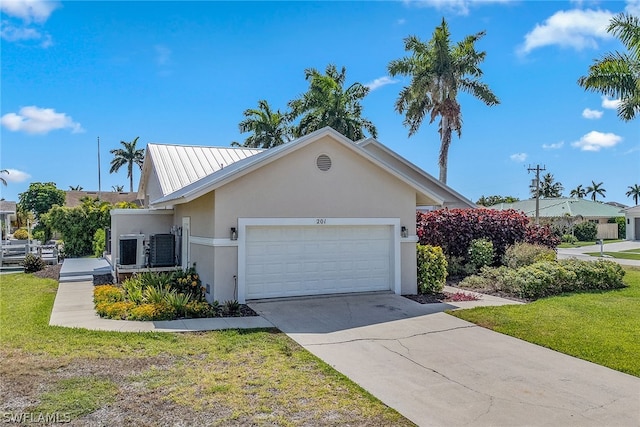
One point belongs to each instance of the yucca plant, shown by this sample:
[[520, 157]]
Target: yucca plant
[[178, 301], [156, 294]]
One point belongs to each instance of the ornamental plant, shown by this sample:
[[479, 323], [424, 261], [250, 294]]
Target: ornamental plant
[[432, 269]]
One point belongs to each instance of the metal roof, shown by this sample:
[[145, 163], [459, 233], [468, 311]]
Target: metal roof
[[178, 166], [560, 207]]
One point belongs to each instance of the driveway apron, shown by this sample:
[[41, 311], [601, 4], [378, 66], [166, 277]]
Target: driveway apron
[[438, 370]]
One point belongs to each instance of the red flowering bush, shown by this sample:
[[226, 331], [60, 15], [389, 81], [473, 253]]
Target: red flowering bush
[[454, 230]]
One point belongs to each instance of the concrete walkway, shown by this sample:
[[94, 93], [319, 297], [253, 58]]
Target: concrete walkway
[[438, 370]]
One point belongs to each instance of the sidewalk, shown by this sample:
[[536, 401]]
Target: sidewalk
[[580, 253]]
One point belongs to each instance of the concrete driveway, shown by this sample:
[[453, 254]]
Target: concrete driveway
[[438, 370]]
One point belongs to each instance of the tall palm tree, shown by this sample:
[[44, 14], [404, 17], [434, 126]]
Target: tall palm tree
[[328, 103], [548, 187], [634, 192], [128, 155], [578, 192], [75, 188], [438, 70], [269, 128], [618, 74], [2, 180], [117, 188], [595, 189]]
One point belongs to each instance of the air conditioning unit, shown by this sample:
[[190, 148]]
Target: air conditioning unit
[[131, 250], [162, 250]]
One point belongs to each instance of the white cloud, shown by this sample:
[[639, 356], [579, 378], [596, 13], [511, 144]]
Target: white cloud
[[460, 7], [554, 146], [163, 54], [401, 21], [518, 157], [379, 82], [633, 7], [29, 10], [611, 104], [588, 113], [15, 175], [574, 28], [595, 141], [36, 120]]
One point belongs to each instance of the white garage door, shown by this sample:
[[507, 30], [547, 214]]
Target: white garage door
[[312, 260]]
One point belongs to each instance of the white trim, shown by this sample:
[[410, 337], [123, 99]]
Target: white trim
[[210, 241], [141, 212], [243, 223]]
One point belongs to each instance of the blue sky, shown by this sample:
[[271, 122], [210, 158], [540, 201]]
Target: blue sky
[[183, 73]]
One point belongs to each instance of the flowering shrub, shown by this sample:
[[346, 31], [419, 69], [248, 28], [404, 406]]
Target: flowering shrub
[[107, 293], [32, 263], [523, 254], [188, 282], [480, 253]]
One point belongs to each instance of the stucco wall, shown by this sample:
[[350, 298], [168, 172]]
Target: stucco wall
[[138, 221]]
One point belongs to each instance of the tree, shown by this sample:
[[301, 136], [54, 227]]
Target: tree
[[634, 192], [327, 103], [269, 128], [75, 188], [128, 155], [438, 70], [495, 200], [618, 74], [578, 192], [595, 189], [2, 180], [40, 197], [117, 188], [548, 187]]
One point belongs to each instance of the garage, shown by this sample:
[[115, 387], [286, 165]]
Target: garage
[[295, 260]]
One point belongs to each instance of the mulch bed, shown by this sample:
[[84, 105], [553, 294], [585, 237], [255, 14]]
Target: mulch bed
[[442, 297], [49, 272]]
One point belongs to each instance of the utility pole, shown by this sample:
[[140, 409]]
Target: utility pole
[[99, 169], [537, 185]]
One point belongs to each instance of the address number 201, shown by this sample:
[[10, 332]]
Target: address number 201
[[321, 221]]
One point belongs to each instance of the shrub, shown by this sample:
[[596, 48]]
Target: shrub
[[594, 275], [480, 253], [456, 266], [523, 254], [132, 288], [32, 263], [585, 231], [152, 279], [541, 235], [143, 312], [156, 294], [99, 242], [39, 235], [116, 310], [178, 302], [432, 269], [21, 234], [542, 279], [188, 282], [490, 279], [231, 308], [569, 238], [199, 309]]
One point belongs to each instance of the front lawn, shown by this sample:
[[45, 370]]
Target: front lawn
[[602, 327], [256, 377], [629, 254]]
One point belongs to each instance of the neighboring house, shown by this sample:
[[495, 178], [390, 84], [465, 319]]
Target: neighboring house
[[632, 216], [74, 198], [570, 211], [7, 215], [318, 215]]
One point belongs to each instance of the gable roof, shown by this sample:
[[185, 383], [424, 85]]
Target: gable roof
[[448, 196], [244, 166], [559, 207], [74, 198], [177, 166]]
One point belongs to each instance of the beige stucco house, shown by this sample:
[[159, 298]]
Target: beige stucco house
[[632, 217], [318, 215]]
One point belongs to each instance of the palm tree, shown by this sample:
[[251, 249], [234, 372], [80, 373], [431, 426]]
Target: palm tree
[[618, 74], [128, 155], [595, 189], [269, 128], [328, 103], [117, 188], [438, 71], [75, 188], [549, 188], [634, 192], [578, 192], [2, 180]]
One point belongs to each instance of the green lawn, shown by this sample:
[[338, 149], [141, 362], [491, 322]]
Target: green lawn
[[621, 255], [602, 327], [589, 243], [258, 377]]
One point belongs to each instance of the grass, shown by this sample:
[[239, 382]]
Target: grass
[[620, 255], [218, 378], [601, 327], [589, 243]]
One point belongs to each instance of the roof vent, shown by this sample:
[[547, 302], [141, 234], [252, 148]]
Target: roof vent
[[323, 162]]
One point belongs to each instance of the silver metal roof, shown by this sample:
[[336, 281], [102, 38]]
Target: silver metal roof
[[178, 166]]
